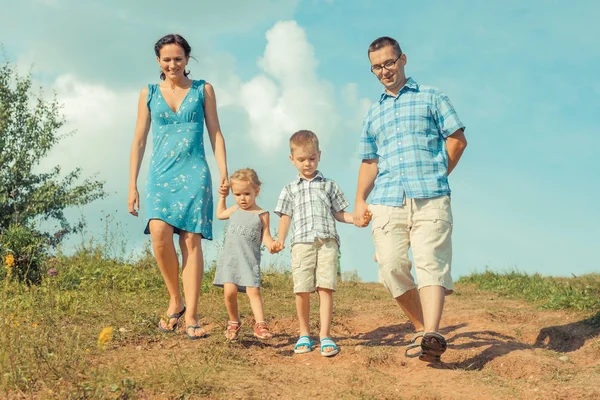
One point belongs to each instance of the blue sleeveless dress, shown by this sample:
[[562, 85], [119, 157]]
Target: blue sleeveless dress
[[179, 189]]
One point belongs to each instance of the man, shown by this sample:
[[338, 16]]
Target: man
[[411, 141]]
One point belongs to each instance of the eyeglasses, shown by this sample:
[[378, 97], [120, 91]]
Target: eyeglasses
[[387, 65]]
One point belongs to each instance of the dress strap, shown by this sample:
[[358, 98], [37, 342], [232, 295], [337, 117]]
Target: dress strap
[[151, 89], [200, 86]]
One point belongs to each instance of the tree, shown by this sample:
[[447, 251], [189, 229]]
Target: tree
[[29, 128]]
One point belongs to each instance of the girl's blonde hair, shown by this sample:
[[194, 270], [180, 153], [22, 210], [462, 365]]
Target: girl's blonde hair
[[246, 174]]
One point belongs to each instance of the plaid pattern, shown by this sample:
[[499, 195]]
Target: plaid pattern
[[311, 205], [407, 134]]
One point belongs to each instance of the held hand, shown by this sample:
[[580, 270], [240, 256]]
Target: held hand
[[276, 247], [224, 186], [360, 212], [368, 217], [223, 191], [133, 202]]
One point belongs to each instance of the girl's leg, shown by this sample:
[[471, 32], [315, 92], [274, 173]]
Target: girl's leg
[[303, 311], [166, 258], [231, 303], [192, 270], [256, 303], [261, 330]]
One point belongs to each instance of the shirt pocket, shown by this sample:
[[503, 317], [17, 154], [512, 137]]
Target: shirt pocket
[[417, 122], [324, 201]]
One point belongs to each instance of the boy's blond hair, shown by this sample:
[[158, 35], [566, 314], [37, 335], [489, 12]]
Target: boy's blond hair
[[304, 138], [248, 175]]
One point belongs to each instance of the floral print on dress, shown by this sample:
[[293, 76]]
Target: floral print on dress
[[179, 189]]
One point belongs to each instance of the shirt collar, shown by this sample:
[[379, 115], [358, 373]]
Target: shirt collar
[[410, 84], [319, 177]]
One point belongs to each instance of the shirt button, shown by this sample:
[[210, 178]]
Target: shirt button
[[400, 158], [397, 129], [399, 143], [396, 113], [402, 174]]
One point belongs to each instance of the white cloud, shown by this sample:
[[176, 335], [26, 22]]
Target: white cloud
[[289, 95]]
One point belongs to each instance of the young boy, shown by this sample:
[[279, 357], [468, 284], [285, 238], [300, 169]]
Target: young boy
[[314, 203]]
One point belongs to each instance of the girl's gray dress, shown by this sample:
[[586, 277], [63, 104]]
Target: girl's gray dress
[[239, 262]]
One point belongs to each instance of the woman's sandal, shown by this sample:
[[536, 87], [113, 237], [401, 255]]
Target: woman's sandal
[[173, 327], [306, 343], [233, 330], [193, 328], [261, 330], [414, 345], [433, 345], [328, 343]]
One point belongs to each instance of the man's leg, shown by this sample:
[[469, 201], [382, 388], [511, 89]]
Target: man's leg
[[410, 302], [391, 236], [431, 238]]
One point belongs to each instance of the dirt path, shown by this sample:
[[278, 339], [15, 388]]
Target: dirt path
[[498, 349]]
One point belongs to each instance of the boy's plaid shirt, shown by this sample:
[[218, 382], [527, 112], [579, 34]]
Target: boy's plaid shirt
[[311, 205]]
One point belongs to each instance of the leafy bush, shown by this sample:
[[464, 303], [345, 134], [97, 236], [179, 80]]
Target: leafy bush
[[23, 252]]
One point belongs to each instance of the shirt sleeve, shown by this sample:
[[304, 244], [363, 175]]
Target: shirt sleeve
[[337, 198], [367, 149], [445, 116], [285, 203]]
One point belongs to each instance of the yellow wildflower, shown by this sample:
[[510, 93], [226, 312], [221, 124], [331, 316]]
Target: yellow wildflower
[[9, 261], [105, 336]]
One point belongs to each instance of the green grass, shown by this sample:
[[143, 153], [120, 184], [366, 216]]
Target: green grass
[[577, 293], [49, 332]]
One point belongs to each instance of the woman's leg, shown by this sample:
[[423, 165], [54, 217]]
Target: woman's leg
[[191, 275], [166, 258]]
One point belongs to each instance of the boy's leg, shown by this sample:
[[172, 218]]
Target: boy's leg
[[326, 311], [431, 237], [391, 236], [231, 303], [326, 275], [304, 259], [256, 303], [303, 311]]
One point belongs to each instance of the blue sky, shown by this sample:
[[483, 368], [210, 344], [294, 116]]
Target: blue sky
[[521, 74]]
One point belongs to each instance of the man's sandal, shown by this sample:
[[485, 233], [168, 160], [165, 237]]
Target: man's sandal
[[327, 343], [193, 328], [233, 330], [166, 322], [304, 345], [261, 330], [433, 345], [408, 353]]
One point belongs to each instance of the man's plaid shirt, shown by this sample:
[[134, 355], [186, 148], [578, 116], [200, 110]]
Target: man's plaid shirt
[[311, 205], [407, 134]]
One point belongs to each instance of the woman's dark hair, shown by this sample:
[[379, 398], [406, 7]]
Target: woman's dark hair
[[172, 38]]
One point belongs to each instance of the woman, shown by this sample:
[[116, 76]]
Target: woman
[[178, 190]]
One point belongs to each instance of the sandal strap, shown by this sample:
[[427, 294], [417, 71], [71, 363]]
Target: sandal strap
[[304, 341], [411, 347], [327, 342], [416, 336]]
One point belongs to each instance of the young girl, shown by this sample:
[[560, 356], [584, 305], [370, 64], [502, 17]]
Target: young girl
[[238, 268]]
